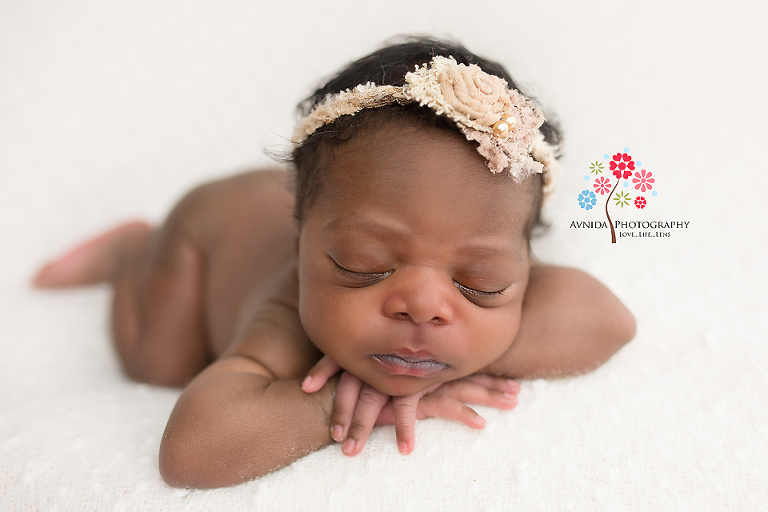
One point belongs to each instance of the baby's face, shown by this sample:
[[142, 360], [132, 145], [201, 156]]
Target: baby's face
[[413, 259]]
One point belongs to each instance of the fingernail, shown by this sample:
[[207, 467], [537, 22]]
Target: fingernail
[[509, 396], [306, 383], [514, 384], [403, 447], [481, 421], [349, 446], [336, 433]]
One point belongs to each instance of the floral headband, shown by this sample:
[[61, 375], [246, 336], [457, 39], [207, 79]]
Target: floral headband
[[502, 121]]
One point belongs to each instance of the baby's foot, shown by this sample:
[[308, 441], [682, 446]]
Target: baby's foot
[[94, 261]]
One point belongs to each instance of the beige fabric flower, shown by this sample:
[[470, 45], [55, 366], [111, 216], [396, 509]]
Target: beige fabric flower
[[471, 98], [471, 91]]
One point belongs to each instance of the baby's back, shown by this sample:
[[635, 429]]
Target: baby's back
[[245, 229]]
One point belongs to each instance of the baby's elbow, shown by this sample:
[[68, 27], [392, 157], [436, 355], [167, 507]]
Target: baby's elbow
[[185, 464], [627, 327], [607, 322], [176, 466], [619, 328]]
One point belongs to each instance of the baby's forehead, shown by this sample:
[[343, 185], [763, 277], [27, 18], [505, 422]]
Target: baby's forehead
[[421, 172], [422, 198]]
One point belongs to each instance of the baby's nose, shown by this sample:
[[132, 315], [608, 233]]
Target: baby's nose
[[421, 296]]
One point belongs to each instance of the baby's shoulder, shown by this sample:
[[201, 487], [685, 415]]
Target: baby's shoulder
[[548, 278]]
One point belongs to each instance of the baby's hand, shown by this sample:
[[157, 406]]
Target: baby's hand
[[358, 407]]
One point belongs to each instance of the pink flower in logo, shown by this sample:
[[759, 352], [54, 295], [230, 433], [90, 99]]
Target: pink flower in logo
[[643, 180], [622, 165], [602, 185], [640, 202]]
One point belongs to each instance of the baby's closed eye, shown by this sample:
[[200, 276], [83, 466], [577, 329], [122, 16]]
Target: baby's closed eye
[[361, 278]]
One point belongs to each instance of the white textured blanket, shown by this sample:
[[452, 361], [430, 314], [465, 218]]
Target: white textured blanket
[[111, 110]]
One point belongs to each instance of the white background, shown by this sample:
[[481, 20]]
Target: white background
[[111, 110]]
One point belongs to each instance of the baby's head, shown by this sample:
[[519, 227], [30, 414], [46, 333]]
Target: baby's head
[[413, 254]]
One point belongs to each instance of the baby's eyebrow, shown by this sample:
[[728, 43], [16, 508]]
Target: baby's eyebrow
[[485, 248], [478, 248]]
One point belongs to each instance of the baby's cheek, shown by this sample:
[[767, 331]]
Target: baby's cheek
[[313, 319], [326, 322], [498, 335]]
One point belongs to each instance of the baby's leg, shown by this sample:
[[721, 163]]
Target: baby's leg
[[96, 260], [157, 314]]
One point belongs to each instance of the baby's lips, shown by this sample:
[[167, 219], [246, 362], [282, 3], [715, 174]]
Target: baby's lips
[[408, 354], [414, 367]]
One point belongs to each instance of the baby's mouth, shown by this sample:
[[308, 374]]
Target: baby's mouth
[[408, 365]]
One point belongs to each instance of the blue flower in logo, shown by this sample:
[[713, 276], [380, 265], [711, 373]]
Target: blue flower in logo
[[587, 199]]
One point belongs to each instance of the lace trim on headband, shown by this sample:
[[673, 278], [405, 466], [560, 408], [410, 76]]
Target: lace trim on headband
[[502, 121], [348, 103]]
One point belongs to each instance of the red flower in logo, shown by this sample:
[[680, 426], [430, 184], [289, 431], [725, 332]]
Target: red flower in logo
[[622, 165], [640, 202], [602, 185], [643, 181]]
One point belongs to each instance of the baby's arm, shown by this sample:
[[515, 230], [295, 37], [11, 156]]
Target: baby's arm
[[570, 324], [236, 421], [246, 415]]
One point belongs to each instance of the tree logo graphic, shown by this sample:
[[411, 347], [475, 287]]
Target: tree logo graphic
[[625, 170]]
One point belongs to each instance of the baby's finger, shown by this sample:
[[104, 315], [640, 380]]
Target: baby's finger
[[386, 415], [369, 404], [347, 395], [469, 392], [500, 383], [446, 407], [316, 378], [405, 408]]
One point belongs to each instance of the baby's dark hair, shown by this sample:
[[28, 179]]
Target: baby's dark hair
[[388, 66]]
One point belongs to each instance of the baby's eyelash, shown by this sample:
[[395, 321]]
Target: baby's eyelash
[[368, 278], [478, 293], [364, 277]]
